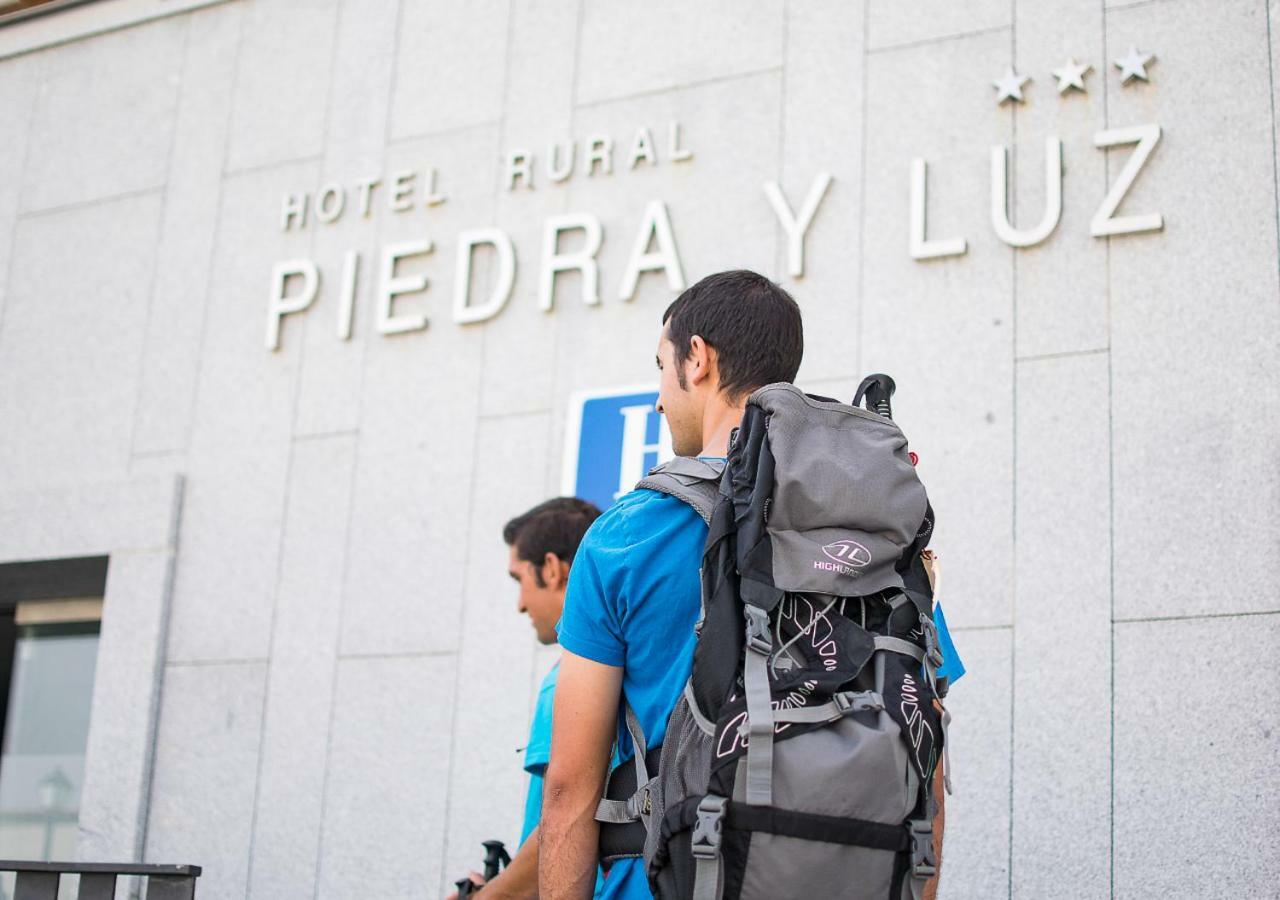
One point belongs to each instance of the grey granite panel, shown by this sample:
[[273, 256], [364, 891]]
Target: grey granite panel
[[239, 451], [283, 77], [74, 325], [450, 65], [329, 392], [102, 128], [386, 799], [127, 685], [491, 717], [822, 131], [1194, 318], [1062, 634], [628, 48], [890, 24], [86, 519], [418, 426], [975, 850], [1196, 752], [18, 81], [180, 291], [206, 754], [300, 678], [943, 327], [1061, 283]]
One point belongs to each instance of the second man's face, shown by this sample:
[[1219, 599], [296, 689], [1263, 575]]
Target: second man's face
[[543, 602]]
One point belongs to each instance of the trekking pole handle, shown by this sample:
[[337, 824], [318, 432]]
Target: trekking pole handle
[[878, 391], [495, 857]]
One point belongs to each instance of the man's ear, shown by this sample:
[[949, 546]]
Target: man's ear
[[555, 571], [701, 362]]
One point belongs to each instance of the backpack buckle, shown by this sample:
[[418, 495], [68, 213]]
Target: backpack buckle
[[758, 637], [708, 826], [857, 701], [923, 863]]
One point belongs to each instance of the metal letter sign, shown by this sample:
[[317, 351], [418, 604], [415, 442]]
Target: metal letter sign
[[613, 437]]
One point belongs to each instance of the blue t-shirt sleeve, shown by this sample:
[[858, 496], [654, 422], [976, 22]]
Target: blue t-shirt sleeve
[[952, 667], [590, 625], [538, 751]]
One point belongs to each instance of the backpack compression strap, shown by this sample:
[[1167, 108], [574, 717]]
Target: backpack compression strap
[[695, 481]]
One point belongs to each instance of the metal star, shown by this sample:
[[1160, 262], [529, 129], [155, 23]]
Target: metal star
[[1071, 75], [1134, 65], [1010, 86]]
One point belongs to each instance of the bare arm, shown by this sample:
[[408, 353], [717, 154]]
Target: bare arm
[[584, 724]]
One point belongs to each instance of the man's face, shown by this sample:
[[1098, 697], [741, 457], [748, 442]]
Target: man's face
[[542, 602], [678, 403]]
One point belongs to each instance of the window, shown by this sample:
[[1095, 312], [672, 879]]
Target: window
[[48, 657]]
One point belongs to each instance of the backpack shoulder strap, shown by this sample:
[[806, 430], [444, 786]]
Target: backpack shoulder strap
[[694, 481]]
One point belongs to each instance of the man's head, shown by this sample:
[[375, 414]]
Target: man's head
[[542, 542], [729, 334]]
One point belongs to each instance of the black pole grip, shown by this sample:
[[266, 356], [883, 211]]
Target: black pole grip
[[877, 390]]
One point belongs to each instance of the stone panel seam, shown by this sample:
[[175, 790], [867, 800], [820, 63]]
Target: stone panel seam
[[1065, 354], [779, 242], [1125, 7], [552, 476], [514, 414], [1013, 350], [686, 86], [1111, 511], [281, 538], [471, 499], [160, 222], [256, 168], [862, 206], [1271, 77], [193, 663], [910, 45], [194, 402], [1137, 620], [398, 654], [162, 632], [84, 204], [36, 77], [324, 435], [443, 132]]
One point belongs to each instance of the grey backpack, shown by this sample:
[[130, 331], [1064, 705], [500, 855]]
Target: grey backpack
[[799, 760]]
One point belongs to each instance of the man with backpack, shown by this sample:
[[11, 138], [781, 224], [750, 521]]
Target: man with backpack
[[541, 545], [629, 635]]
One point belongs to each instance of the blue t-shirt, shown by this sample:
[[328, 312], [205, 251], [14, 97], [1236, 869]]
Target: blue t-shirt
[[538, 752], [536, 756], [632, 601], [633, 598]]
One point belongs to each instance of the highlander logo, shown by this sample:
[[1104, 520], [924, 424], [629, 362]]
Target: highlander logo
[[847, 556]]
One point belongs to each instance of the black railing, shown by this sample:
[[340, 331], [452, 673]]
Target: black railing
[[39, 880]]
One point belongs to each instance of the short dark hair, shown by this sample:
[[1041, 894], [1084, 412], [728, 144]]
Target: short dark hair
[[753, 324], [553, 526]]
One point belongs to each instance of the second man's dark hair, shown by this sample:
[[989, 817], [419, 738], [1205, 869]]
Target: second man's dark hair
[[553, 526], [753, 324]]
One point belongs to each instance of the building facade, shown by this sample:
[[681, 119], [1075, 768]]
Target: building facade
[[300, 301]]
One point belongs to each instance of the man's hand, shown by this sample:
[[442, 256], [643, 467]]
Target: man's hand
[[476, 878], [518, 881], [582, 733]]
